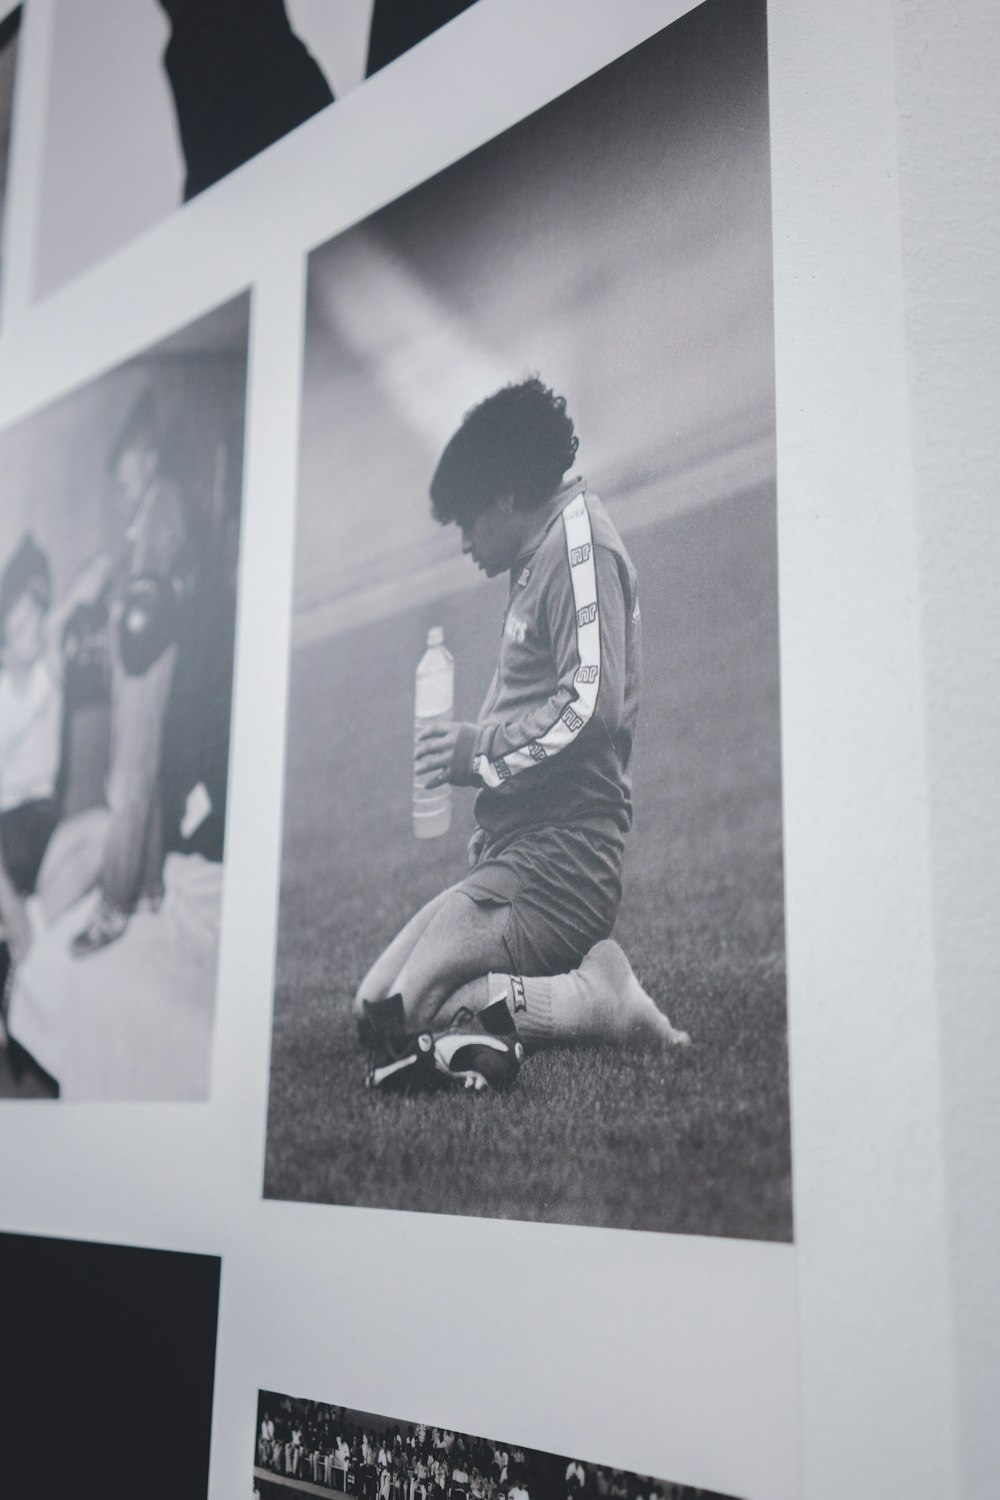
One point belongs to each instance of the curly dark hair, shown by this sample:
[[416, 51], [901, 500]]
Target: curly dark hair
[[518, 442]]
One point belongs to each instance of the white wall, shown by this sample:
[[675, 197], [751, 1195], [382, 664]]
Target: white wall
[[950, 221], [862, 1361], [886, 152]]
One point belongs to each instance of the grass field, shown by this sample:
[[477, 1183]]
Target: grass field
[[694, 1142]]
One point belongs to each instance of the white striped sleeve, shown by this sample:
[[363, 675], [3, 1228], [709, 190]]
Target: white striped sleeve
[[577, 712]]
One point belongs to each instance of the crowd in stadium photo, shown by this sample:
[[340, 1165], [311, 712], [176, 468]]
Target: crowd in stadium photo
[[307, 1446]]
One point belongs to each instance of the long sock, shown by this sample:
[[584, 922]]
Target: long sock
[[601, 1001]]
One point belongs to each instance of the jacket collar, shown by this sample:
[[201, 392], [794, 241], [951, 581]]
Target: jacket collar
[[548, 514]]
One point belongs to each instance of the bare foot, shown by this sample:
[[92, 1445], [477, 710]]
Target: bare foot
[[635, 1014]]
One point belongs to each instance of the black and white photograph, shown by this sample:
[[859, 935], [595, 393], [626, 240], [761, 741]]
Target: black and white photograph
[[151, 102], [312, 1448], [531, 934], [108, 1369], [119, 549], [10, 29]]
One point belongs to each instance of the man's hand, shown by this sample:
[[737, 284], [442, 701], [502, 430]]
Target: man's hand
[[433, 752]]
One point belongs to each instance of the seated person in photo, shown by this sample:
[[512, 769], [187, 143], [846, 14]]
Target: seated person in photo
[[31, 724], [147, 592]]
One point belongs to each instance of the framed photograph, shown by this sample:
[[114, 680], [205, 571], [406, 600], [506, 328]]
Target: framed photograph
[[531, 963], [10, 30], [108, 1369], [312, 1448], [150, 104], [119, 549]]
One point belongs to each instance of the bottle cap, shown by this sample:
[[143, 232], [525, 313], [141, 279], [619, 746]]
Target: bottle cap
[[435, 636]]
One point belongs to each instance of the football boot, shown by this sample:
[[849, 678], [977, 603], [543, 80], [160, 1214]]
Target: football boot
[[398, 1060], [479, 1051]]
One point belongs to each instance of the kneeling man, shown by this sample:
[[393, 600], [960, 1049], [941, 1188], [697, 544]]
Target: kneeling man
[[524, 938]]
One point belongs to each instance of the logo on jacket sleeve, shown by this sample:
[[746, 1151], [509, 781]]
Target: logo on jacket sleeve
[[587, 615], [571, 719], [578, 555], [586, 674]]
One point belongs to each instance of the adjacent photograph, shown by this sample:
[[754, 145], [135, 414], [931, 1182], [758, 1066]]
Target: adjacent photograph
[[150, 102], [10, 30], [108, 1370], [119, 549], [531, 952], [310, 1448]]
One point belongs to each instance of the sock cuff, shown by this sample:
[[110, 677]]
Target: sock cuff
[[530, 1002]]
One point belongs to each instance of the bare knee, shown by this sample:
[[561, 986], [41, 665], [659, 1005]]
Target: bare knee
[[463, 942], [381, 979], [372, 987], [377, 984]]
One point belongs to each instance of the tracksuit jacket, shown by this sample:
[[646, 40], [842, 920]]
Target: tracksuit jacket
[[554, 737]]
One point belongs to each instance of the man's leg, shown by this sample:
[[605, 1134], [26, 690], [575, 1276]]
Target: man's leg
[[72, 861], [139, 706], [459, 962], [151, 889], [463, 940], [381, 977], [601, 1001]]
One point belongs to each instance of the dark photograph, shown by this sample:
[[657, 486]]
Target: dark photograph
[[119, 546], [108, 1370], [10, 27], [309, 1448], [153, 101], [531, 943]]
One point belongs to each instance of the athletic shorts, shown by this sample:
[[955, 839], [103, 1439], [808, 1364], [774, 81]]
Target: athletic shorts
[[563, 887]]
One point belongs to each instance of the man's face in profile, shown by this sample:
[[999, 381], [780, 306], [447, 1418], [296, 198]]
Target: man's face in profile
[[493, 538]]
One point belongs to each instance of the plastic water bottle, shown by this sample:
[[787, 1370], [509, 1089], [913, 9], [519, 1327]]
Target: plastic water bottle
[[434, 703]]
